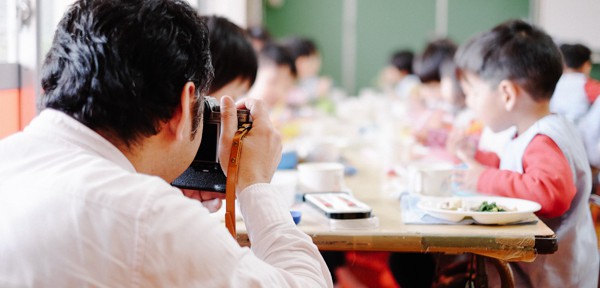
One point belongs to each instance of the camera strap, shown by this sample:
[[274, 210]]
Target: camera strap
[[232, 171]]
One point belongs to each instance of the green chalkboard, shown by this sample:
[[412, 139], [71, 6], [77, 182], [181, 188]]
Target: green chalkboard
[[595, 71], [469, 17], [384, 26], [318, 20]]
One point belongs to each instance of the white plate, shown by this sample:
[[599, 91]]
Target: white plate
[[523, 209]]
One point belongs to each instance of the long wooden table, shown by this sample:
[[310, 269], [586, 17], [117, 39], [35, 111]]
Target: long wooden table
[[507, 243]]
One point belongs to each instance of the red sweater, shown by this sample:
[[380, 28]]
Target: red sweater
[[592, 89], [546, 179]]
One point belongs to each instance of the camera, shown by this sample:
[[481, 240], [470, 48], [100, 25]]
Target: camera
[[205, 172]]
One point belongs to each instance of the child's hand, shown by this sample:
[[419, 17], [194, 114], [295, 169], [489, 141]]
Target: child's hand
[[455, 138], [460, 142], [466, 179]]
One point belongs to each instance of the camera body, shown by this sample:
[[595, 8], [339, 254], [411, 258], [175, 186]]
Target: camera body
[[205, 172]]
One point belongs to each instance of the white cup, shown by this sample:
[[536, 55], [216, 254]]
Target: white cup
[[320, 177], [430, 179]]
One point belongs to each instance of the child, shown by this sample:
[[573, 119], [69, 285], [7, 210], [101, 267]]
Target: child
[[590, 130], [397, 77], [509, 74], [233, 58], [310, 88], [433, 113], [578, 57], [427, 67], [275, 78], [259, 37], [464, 123], [589, 126], [570, 97]]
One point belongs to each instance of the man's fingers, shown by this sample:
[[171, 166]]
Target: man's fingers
[[192, 194], [262, 146], [212, 205], [257, 108], [228, 128], [211, 200]]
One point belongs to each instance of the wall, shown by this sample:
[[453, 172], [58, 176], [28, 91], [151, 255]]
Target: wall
[[234, 10], [572, 21], [383, 26]]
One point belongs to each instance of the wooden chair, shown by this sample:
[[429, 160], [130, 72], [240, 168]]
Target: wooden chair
[[595, 208]]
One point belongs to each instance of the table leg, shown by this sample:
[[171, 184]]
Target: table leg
[[504, 271], [481, 280]]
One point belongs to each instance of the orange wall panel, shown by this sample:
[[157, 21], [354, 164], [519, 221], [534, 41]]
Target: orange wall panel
[[27, 106], [10, 109]]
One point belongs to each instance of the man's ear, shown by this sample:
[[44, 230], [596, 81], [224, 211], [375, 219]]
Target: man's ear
[[182, 115], [509, 91]]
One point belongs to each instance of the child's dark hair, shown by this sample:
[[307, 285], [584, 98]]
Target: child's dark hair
[[120, 66], [232, 54], [299, 46], [514, 50], [448, 69], [273, 53], [427, 65], [575, 55], [403, 61], [260, 33]]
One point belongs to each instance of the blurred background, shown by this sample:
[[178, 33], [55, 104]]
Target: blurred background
[[355, 38]]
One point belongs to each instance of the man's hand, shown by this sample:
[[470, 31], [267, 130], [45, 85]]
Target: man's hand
[[261, 148], [210, 200]]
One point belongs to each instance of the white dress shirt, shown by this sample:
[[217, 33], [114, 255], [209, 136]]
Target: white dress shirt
[[74, 212]]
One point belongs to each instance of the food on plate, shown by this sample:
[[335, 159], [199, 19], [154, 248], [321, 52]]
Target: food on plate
[[457, 204], [480, 209], [453, 204], [491, 207]]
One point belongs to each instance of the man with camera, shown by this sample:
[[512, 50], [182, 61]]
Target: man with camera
[[85, 194]]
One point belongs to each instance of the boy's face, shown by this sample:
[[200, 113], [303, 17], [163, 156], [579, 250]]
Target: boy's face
[[236, 89], [308, 66], [485, 101], [273, 83]]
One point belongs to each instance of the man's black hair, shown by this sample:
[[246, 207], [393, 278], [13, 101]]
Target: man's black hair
[[427, 65], [299, 46], [232, 54], [120, 66], [514, 50], [277, 54], [575, 55], [403, 60]]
